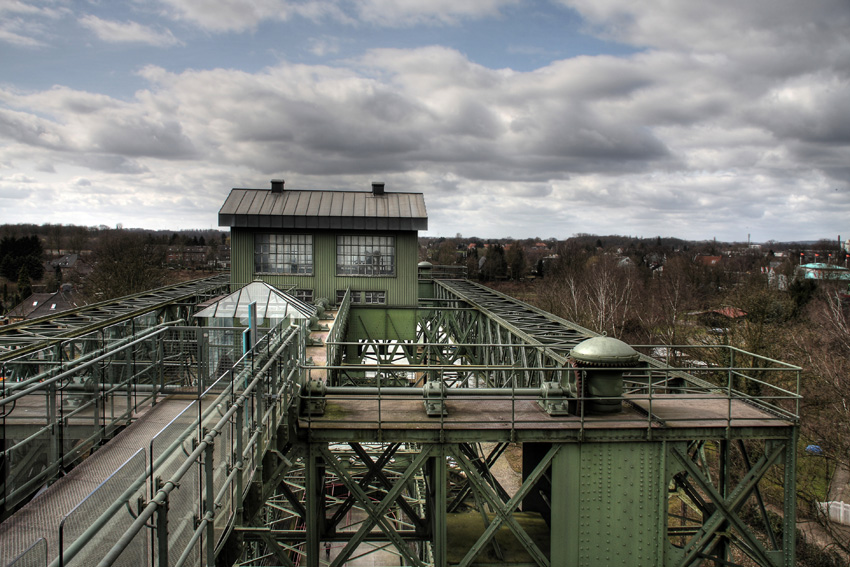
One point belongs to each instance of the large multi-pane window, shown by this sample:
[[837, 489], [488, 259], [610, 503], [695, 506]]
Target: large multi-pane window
[[305, 295], [283, 254], [363, 297], [365, 256]]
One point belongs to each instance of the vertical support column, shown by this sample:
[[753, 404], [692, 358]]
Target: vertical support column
[[723, 481], [566, 506], [602, 490], [314, 486], [209, 503], [438, 496], [162, 530], [789, 508], [238, 431], [259, 405]]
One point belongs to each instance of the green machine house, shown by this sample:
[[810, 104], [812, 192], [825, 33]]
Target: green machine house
[[320, 244]]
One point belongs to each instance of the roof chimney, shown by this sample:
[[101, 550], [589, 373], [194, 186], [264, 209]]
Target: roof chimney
[[377, 188], [277, 185]]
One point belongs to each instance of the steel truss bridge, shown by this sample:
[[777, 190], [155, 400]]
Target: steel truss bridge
[[161, 443]]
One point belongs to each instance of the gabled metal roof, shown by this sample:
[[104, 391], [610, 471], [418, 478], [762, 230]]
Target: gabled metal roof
[[271, 304], [262, 208]]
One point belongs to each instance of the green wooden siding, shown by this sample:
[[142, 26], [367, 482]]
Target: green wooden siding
[[401, 289]]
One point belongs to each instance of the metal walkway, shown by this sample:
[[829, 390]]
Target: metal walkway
[[24, 337], [86, 511], [276, 469], [41, 517], [534, 325]]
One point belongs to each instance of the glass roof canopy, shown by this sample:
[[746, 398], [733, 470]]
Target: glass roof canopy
[[271, 304]]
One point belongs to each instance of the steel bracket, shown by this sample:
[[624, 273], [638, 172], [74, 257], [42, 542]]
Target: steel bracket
[[313, 398], [554, 399], [434, 394]]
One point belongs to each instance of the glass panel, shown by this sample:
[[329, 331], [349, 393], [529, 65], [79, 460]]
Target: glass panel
[[365, 255], [283, 254]]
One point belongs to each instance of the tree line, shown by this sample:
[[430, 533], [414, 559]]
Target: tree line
[[740, 301], [120, 261]]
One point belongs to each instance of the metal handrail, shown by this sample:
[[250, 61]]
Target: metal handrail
[[158, 501]]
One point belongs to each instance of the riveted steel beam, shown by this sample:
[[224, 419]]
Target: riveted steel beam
[[375, 511], [726, 509], [504, 510]]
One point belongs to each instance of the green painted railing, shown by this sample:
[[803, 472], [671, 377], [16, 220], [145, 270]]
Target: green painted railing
[[225, 434], [337, 334], [717, 374]]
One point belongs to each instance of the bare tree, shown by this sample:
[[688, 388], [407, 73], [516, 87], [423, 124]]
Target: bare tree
[[598, 295], [125, 263], [822, 348]]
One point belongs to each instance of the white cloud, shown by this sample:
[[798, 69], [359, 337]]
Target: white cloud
[[34, 7], [412, 12], [324, 46], [241, 15], [22, 24], [127, 32], [710, 128]]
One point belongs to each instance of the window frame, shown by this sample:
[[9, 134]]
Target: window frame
[[363, 297], [305, 295], [358, 248], [285, 248]]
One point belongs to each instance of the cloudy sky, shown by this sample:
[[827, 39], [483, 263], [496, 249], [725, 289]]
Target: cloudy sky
[[516, 118]]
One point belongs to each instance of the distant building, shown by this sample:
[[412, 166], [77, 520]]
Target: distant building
[[69, 263], [821, 271], [44, 304], [709, 261], [321, 243], [187, 255]]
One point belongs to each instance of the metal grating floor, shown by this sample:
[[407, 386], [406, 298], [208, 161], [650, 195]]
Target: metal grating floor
[[42, 515]]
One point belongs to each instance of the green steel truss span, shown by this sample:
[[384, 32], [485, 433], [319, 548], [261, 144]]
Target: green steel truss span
[[455, 447], [168, 303]]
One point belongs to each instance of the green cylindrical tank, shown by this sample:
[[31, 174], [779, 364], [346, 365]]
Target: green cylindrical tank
[[601, 360]]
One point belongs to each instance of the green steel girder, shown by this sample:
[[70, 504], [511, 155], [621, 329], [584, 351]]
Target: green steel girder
[[280, 552], [28, 336], [466, 487], [527, 332], [375, 511], [376, 472], [527, 336], [726, 509], [534, 325], [503, 510]]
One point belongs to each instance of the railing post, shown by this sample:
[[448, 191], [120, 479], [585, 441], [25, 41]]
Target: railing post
[[789, 507], [55, 448], [202, 340], [160, 363], [259, 406], [209, 503], [240, 463], [162, 530], [130, 380]]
